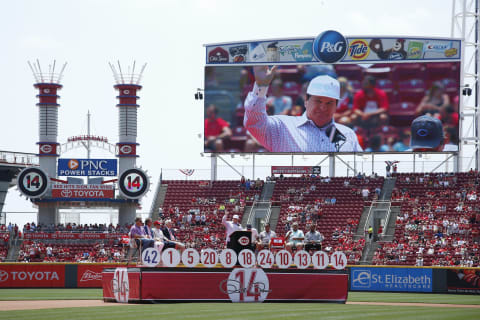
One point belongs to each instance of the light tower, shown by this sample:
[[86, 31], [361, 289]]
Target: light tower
[[47, 83], [127, 85]]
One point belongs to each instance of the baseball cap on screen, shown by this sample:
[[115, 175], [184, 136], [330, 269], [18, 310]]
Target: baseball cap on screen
[[427, 132], [324, 86]]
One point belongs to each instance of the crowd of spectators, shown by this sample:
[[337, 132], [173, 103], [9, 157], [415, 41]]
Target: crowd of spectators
[[73, 227], [58, 251], [439, 221], [4, 239]]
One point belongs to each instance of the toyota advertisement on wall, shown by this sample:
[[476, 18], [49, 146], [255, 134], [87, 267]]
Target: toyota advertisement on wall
[[83, 191], [368, 94]]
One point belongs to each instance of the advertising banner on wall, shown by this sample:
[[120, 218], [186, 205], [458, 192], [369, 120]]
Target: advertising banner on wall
[[331, 46], [90, 275], [71, 235], [296, 170], [463, 281], [87, 167], [32, 276], [391, 279], [83, 191]]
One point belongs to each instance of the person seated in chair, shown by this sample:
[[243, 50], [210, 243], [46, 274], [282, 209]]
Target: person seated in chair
[[137, 232], [158, 236], [170, 238], [294, 238], [313, 239], [263, 241]]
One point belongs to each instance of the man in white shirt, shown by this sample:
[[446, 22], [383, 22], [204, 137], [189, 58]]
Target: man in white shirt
[[294, 238], [231, 227], [158, 236], [313, 239], [314, 131], [254, 236], [265, 237]]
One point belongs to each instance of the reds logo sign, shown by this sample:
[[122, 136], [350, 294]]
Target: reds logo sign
[[46, 148], [126, 149], [73, 164], [244, 241]]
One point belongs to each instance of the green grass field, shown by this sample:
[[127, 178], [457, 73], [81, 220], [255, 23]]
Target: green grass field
[[245, 311]]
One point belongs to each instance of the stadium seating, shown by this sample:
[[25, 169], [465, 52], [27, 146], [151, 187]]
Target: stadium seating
[[71, 251], [438, 223], [197, 197], [308, 200]]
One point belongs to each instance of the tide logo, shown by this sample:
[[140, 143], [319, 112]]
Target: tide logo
[[359, 49], [73, 164]]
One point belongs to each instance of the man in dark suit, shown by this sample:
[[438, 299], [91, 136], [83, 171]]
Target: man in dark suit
[[148, 228], [170, 238]]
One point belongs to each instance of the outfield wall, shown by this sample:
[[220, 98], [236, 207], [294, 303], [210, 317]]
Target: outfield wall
[[414, 279], [362, 278]]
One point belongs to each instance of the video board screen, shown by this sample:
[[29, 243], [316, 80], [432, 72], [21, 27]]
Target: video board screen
[[318, 108]]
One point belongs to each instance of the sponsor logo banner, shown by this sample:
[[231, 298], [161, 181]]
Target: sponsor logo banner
[[87, 167], [218, 55], [292, 170], [415, 50], [331, 47], [391, 279], [31, 276], [358, 49], [90, 275], [71, 235], [83, 191], [463, 281]]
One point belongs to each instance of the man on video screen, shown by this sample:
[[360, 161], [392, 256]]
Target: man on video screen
[[314, 131]]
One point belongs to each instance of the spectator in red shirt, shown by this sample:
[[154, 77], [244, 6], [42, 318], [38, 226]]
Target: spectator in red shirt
[[216, 129], [370, 104]]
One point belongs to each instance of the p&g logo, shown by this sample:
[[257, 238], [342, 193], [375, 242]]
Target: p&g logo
[[330, 46], [361, 279]]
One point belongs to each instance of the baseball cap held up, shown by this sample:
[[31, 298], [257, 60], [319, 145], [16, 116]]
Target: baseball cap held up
[[324, 86], [427, 132]]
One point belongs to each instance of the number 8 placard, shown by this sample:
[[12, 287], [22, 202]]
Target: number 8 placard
[[228, 258]]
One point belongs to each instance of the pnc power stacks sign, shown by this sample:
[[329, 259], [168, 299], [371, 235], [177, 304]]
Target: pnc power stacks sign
[[87, 167]]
